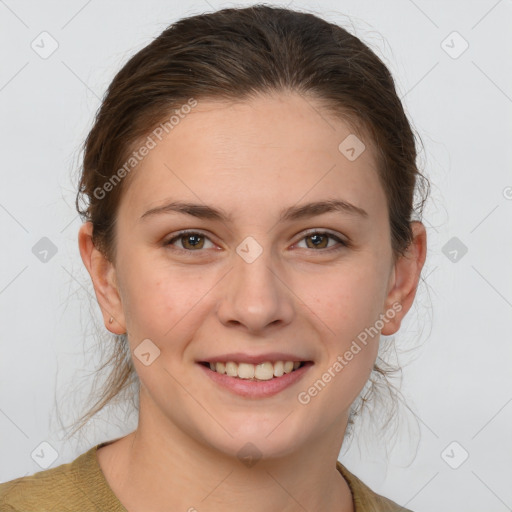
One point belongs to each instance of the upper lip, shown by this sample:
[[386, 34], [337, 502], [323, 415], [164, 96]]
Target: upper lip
[[239, 357]]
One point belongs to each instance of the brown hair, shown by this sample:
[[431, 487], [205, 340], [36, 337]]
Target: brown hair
[[235, 54]]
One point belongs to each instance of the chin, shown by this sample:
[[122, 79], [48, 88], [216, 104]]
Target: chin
[[271, 438]]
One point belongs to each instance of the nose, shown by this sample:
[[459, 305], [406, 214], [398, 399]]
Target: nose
[[255, 295]]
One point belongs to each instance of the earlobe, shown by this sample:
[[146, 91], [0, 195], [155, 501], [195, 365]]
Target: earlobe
[[405, 279], [103, 276]]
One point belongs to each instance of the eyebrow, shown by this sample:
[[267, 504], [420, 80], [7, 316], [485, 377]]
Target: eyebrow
[[292, 213]]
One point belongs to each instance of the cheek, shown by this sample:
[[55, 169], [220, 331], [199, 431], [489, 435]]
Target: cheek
[[350, 307], [351, 300], [158, 299]]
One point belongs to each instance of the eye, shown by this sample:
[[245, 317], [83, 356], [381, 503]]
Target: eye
[[189, 240], [194, 241], [320, 239]]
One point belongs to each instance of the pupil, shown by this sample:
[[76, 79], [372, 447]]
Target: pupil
[[191, 237], [317, 239]]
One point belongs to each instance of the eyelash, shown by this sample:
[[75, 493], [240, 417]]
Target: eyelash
[[342, 243]]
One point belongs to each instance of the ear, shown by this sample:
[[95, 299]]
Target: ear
[[404, 279], [103, 276]]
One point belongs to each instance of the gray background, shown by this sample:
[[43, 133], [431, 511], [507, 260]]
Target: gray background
[[457, 382]]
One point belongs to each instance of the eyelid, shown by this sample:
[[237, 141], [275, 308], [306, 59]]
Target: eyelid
[[322, 231]]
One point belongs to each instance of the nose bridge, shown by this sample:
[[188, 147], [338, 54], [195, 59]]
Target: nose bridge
[[255, 296]]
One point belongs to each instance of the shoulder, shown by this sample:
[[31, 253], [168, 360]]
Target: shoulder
[[46, 490], [366, 500], [77, 485]]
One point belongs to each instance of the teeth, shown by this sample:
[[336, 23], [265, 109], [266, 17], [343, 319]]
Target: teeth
[[246, 371], [288, 366], [262, 371], [231, 369], [278, 368]]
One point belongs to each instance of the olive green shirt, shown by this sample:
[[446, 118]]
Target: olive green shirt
[[80, 486]]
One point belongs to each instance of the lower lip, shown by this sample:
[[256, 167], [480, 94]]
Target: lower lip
[[257, 388]]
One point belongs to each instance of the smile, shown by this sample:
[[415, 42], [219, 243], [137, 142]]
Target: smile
[[262, 371], [255, 381]]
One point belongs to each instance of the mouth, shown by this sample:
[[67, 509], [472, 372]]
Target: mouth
[[264, 371]]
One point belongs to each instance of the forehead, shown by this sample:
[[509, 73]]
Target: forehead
[[263, 151]]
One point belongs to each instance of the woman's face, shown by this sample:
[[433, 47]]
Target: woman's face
[[263, 282]]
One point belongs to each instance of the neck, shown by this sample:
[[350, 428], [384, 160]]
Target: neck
[[148, 470]]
